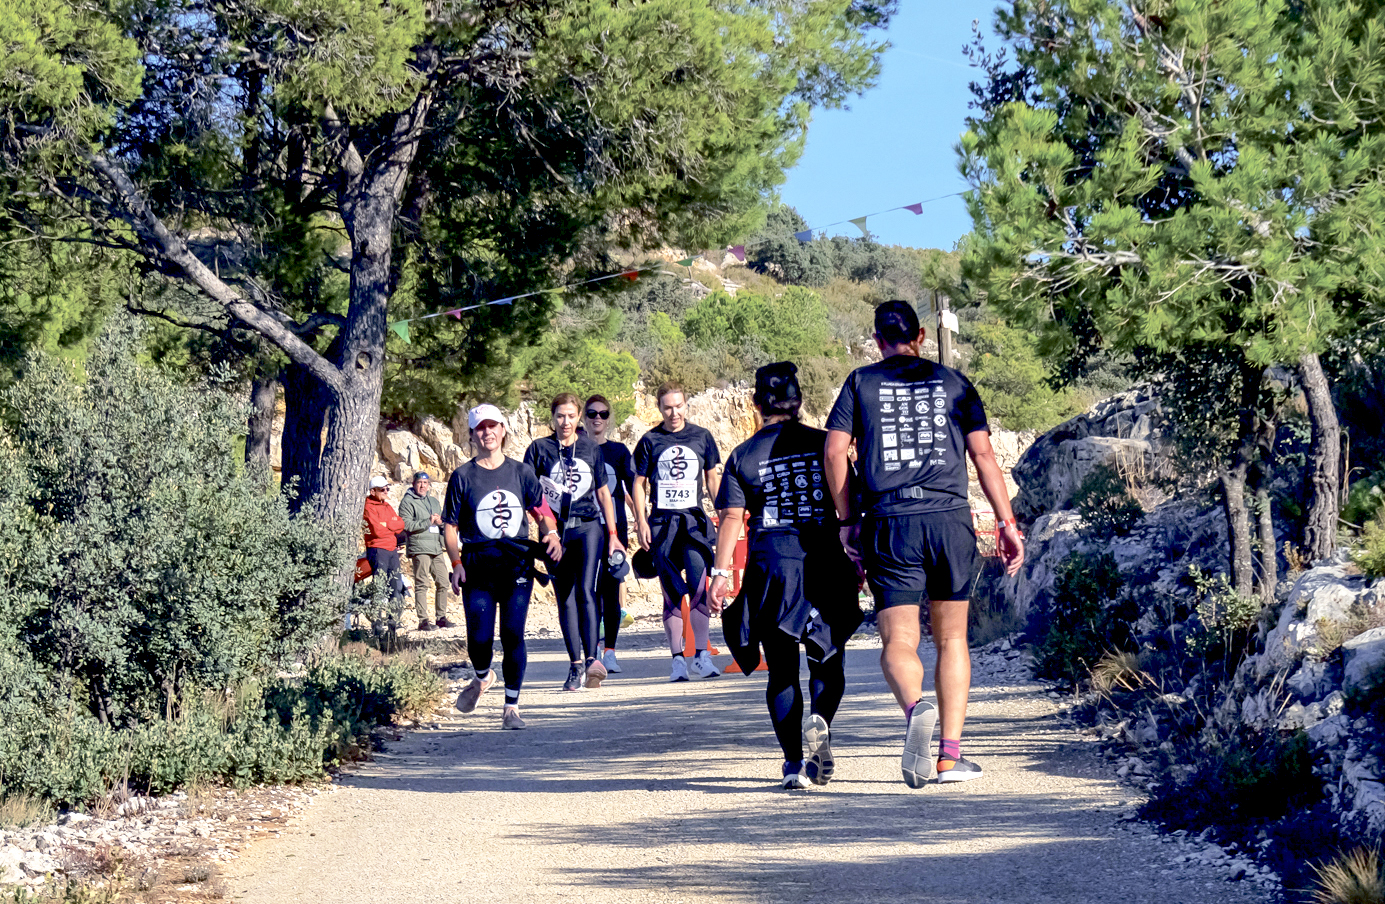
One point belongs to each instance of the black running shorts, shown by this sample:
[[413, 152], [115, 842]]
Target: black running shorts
[[911, 559]]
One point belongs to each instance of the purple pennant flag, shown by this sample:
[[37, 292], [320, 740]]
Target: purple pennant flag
[[738, 252], [804, 236], [914, 208]]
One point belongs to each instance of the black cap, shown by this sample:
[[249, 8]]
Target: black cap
[[776, 384], [896, 322], [643, 564]]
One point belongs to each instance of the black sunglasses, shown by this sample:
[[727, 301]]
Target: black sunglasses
[[592, 412]]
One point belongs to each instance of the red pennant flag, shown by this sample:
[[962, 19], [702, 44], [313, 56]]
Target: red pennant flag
[[631, 275], [738, 252], [914, 208]]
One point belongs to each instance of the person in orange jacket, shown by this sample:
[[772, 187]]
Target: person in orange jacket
[[383, 531]]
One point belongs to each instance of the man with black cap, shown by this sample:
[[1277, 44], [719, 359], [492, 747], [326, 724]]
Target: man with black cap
[[799, 588], [913, 421]]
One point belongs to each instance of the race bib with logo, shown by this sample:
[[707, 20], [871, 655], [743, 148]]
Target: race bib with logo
[[679, 469]]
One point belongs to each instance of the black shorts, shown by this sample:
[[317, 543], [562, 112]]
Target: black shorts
[[910, 559]]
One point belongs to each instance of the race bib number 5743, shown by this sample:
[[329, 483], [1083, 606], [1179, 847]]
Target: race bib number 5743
[[677, 473]]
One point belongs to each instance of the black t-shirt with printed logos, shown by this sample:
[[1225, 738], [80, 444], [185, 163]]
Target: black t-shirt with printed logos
[[619, 473], [674, 463], [491, 505], [910, 418], [777, 476], [568, 474]]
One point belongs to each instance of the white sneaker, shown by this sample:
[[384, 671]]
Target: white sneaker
[[608, 659], [680, 670], [703, 667]]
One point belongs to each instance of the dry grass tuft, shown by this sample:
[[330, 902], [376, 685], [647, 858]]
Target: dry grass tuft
[[1119, 670], [19, 811], [1354, 878]]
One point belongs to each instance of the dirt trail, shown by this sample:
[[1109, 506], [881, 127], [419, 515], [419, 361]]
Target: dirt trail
[[655, 792]]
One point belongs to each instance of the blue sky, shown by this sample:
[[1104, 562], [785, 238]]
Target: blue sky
[[895, 145]]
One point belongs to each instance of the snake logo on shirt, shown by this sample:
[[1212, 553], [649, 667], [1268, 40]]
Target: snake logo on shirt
[[573, 476], [499, 515], [676, 478]]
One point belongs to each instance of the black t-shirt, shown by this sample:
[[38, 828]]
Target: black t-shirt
[[491, 505], [674, 463], [568, 474], [777, 476], [910, 417], [619, 473]]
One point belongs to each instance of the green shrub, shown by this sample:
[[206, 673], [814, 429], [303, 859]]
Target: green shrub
[[1370, 555], [142, 566], [1105, 504], [1225, 619], [1012, 378], [1091, 617], [1364, 499]]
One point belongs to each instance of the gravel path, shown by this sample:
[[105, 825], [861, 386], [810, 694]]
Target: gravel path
[[654, 792]]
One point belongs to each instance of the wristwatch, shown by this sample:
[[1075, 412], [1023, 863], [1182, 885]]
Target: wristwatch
[[720, 573]]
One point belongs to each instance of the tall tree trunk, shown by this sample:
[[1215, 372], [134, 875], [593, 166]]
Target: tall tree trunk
[[1260, 476], [264, 392], [306, 401], [1324, 461], [1233, 482]]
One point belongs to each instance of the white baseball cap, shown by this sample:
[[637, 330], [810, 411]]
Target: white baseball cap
[[484, 413], [378, 482]]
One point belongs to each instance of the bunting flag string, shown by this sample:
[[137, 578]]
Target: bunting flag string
[[401, 327]]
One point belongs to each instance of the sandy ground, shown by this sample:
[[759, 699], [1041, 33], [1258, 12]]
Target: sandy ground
[[645, 791]]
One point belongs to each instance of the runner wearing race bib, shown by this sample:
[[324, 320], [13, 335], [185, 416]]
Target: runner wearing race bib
[[799, 586], [573, 475], [673, 462], [486, 529], [619, 471]]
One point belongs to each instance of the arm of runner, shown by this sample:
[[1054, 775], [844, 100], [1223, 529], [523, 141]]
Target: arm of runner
[[728, 533], [548, 531], [988, 473], [608, 511], [454, 555], [713, 477], [639, 492]]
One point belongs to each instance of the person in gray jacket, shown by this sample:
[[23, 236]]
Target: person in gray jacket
[[422, 516]]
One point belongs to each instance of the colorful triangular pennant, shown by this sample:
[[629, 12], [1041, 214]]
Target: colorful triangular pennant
[[456, 312], [804, 236], [914, 208], [738, 252], [686, 262], [631, 275], [860, 223], [401, 329]]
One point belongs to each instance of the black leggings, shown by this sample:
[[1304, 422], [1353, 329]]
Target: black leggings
[[574, 583], [689, 559], [480, 603], [784, 695]]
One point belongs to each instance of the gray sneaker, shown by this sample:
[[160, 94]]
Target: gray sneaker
[[817, 752], [916, 763], [511, 720], [466, 700]]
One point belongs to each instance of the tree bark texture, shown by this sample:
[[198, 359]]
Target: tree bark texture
[[264, 392], [1324, 462], [1266, 432], [1233, 482]]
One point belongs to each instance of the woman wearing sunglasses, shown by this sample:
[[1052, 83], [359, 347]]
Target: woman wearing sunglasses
[[568, 465], [619, 473]]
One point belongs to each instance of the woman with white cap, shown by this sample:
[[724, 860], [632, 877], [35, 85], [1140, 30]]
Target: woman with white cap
[[573, 474], [487, 542]]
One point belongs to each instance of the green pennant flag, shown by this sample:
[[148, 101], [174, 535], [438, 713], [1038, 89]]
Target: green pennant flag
[[860, 223], [401, 329], [686, 262]]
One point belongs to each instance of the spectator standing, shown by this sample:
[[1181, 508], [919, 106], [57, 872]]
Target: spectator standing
[[422, 517], [384, 534]]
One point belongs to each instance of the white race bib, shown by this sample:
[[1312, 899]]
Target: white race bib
[[499, 515], [677, 474]]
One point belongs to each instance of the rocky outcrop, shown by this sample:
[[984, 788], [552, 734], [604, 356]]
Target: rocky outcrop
[[1121, 431]]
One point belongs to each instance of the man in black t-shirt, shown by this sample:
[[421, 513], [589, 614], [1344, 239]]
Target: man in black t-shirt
[[912, 421]]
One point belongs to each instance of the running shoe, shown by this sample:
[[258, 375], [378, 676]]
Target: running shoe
[[817, 763], [596, 673], [794, 779], [680, 670], [426, 625], [963, 770], [466, 700], [609, 661], [511, 720], [626, 619], [916, 763], [574, 678], [703, 667]]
